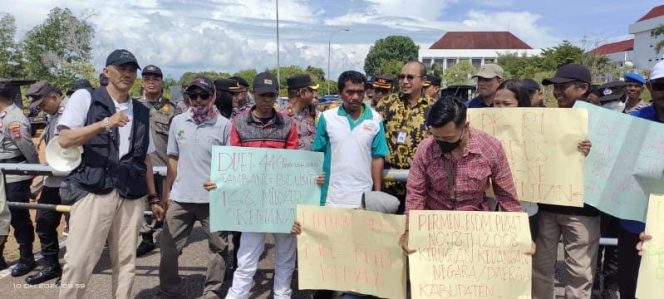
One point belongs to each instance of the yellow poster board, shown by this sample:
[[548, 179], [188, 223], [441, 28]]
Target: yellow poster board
[[469, 254], [351, 250], [651, 272], [541, 147]]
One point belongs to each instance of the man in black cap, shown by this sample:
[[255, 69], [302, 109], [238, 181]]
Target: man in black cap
[[300, 107], [432, 86], [109, 188], [162, 111], [228, 91], [48, 99], [16, 146], [580, 227], [382, 88]]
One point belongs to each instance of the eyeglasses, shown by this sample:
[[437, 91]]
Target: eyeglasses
[[409, 77], [194, 96], [657, 85]]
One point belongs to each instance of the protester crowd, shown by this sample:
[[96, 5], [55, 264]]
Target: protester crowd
[[375, 127]]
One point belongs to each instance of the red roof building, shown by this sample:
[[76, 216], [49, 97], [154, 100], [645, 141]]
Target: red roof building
[[657, 11], [480, 40], [617, 47]]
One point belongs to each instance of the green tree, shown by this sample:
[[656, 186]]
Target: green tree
[[657, 32], [392, 48], [561, 54], [436, 70], [389, 67], [317, 74], [519, 66], [59, 49], [10, 56], [459, 74]]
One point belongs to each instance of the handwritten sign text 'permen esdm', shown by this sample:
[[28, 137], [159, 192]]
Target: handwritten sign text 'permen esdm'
[[651, 272], [469, 254], [258, 189], [541, 147], [351, 250]]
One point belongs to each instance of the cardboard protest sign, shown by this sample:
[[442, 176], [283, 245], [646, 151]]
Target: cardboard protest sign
[[351, 250], [259, 189], [469, 254], [625, 164], [651, 272], [541, 147]]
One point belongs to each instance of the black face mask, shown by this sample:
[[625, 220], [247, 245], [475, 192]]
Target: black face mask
[[447, 147]]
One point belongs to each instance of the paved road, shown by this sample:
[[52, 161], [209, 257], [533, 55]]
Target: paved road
[[192, 270]]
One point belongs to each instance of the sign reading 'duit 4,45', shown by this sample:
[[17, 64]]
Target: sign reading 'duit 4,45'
[[258, 189]]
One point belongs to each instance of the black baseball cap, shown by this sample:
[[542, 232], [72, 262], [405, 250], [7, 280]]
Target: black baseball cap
[[152, 70], [36, 92], [531, 85], [266, 82], [569, 73], [120, 57], [203, 83]]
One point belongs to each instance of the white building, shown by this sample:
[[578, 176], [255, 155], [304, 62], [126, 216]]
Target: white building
[[478, 48], [639, 50]]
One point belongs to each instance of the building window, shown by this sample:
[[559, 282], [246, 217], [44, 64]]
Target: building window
[[451, 62], [427, 61], [477, 62], [489, 60], [439, 61]]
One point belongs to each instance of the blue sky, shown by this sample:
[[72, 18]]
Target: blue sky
[[230, 35]]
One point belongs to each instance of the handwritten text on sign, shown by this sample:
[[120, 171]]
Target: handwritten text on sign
[[469, 254], [258, 189], [351, 250], [651, 272], [541, 147], [625, 163]]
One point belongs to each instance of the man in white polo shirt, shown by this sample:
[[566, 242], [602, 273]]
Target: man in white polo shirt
[[190, 140], [353, 139]]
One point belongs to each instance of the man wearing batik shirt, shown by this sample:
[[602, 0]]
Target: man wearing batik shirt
[[404, 118], [300, 108], [452, 168]]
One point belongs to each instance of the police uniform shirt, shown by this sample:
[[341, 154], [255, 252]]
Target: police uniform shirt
[[162, 112], [76, 112], [16, 141]]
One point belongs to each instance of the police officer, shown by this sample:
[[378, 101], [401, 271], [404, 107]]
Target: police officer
[[5, 216], [432, 86], [16, 147], [162, 111], [50, 100]]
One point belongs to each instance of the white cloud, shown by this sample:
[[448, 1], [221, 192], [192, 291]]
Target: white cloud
[[522, 24]]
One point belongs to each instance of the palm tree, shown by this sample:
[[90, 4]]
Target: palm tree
[[658, 31]]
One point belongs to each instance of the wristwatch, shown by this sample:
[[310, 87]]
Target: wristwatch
[[107, 124]]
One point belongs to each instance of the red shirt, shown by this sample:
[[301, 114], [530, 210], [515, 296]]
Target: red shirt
[[278, 132], [483, 158]]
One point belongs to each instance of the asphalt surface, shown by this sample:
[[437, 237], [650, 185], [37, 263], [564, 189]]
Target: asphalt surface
[[192, 272]]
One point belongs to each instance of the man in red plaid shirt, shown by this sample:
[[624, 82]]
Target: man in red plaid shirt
[[452, 167]]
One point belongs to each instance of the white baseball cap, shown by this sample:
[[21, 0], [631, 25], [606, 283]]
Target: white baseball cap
[[657, 71]]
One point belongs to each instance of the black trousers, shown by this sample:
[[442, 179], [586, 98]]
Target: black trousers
[[47, 224], [628, 263], [24, 232]]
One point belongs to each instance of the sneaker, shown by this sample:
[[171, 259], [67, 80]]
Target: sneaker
[[144, 248]]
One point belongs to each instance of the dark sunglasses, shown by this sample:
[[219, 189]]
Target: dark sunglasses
[[194, 95], [409, 77], [656, 85]]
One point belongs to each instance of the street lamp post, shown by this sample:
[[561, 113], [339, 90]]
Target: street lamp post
[[329, 54]]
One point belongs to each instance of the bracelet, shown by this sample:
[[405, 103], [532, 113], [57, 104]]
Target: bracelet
[[107, 124]]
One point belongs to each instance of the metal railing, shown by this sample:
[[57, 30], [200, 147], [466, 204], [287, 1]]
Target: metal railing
[[396, 175]]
